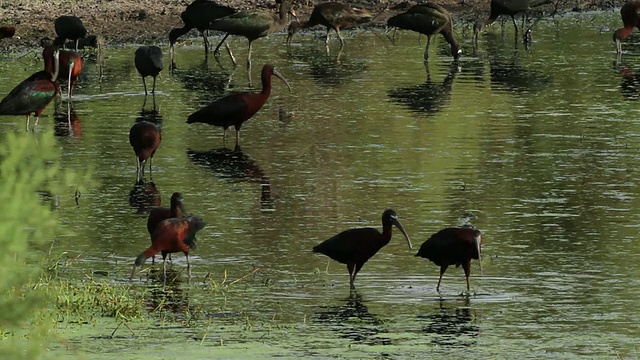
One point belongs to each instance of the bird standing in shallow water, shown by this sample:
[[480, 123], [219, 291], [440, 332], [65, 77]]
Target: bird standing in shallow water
[[68, 27], [630, 19], [70, 65], [354, 247], [161, 213], [171, 235], [507, 7], [428, 19], [144, 137], [235, 109], [34, 93], [332, 15], [453, 246], [148, 61], [254, 24]]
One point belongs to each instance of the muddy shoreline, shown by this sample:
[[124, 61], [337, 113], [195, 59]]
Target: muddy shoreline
[[149, 21]]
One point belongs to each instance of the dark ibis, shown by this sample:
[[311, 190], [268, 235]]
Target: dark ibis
[[199, 15], [453, 246], [630, 19], [237, 108], [145, 138], [34, 93], [7, 31], [354, 247], [332, 15], [68, 27], [160, 213], [148, 61], [506, 7], [70, 65], [428, 19], [254, 24], [171, 235]]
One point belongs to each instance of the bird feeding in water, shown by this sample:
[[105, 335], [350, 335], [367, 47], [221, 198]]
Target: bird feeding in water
[[144, 137], [453, 246], [161, 213], [630, 19], [428, 19], [148, 61], [237, 108], [354, 247], [70, 65]]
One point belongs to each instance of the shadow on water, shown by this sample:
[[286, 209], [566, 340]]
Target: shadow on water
[[452, 324], [67, 122], [429, 97], [152, 115], [235, 166], [352, 320], [206, 82], [143, 196], [329, 70]]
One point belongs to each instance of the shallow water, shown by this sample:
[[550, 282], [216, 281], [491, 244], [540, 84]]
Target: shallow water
[[540, 145]]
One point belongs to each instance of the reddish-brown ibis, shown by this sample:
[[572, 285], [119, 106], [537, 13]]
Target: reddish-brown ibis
[[171, 235], [70, 65], [332, 15], [145, 138], [428, 19], [506, 7], [199, 15], [68, 27], [254, 24], [354, 247], [453, 246], [34, 93], [630, 19], [148, 61], [160, 213], [7, 31], [235, 109]]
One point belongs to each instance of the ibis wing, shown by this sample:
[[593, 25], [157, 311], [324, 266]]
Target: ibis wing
[[350, 245], [424, 18], [32, 94], [245, 23], [221, 112]]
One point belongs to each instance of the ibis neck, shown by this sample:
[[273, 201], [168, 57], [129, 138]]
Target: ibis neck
[[176, 212], [448, 36], [386, 233], [266, 84]]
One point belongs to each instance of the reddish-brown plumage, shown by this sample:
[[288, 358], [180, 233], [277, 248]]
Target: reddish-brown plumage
[[161, 213], [235, 109], [452, 246], [7, 31], [144, 137], [630, 19], [172, 235], [70, 65], [354, 247]]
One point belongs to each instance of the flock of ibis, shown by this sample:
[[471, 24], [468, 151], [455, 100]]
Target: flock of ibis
[[173, 229]]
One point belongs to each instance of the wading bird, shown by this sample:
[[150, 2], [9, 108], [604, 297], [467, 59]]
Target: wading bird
[[70, 65], [428, 19], [171, 235], [332, 15], [453, 246], [354, 247], [161, 213], [630, 19], [507, 7], [235, 109], [199, 15], [254, 24], [7, 31], [68, 27], [145, 138], [148, 61], [34, 93]]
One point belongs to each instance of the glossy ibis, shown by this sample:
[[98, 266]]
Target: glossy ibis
[[506, 7], [34, 93], [171, 235], [630, 19], [160, 213], [235, 109], [332, 15], [254, 24], [428, 19], [199, 15], [70, 65], [7, 31], [453, 246], [148, 62], [68, 27], [354, 247], [145, 138]]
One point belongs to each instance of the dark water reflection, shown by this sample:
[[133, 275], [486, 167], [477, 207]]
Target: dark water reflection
[[67, 122], [151, 115], [143, 196], [452, 325], [326, 69]]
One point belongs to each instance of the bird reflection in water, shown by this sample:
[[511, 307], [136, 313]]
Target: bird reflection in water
[[429, 97], [329, 70], [236, 166], [166, 296], [352, 320], [67, 123], [143, 196], [451, 325], [630, 84], [150, 115]]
